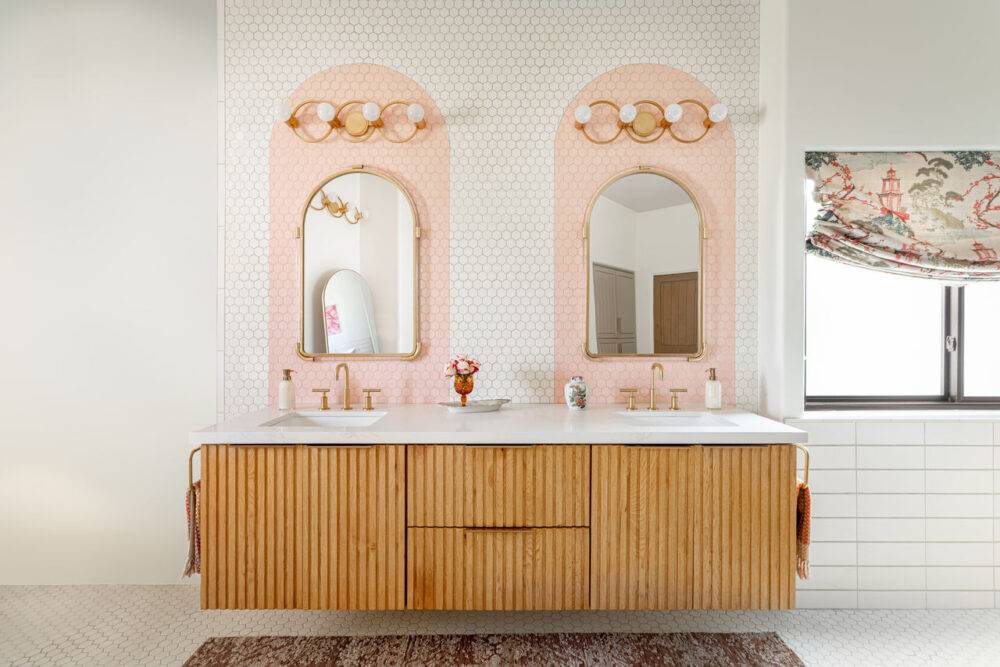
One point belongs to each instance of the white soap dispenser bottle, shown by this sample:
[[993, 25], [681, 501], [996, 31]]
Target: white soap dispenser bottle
[[286, 391], [713, 391]]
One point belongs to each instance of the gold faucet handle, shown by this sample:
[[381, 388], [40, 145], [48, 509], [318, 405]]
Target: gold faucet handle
[[674, 402], [368, 397], [324, 401], [631, 391]]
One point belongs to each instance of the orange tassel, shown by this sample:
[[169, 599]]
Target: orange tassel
[[802, 516]]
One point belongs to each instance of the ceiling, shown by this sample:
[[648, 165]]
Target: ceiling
[[646, 192]]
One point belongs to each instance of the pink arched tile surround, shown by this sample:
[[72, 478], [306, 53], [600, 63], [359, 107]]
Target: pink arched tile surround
[[422, 165], [707, 168]]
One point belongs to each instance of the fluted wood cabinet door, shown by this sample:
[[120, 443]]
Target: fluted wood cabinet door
[[693, 527], [641, 545], [501, 486], [303, 527], [497, 569], [744, 528]]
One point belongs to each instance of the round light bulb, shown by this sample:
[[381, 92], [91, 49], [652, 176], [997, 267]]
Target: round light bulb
[[371, 111], [718, 112], [325, 111], [627, 113], [583, 114], [674, 113], [415, 113]]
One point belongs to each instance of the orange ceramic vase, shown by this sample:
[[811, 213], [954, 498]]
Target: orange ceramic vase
[[463, 386]]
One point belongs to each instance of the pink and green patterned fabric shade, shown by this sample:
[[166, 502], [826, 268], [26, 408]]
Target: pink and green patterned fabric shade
[[918, 213]]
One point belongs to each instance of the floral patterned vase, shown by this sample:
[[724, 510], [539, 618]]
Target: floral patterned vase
[[463, 385], [575, 392]]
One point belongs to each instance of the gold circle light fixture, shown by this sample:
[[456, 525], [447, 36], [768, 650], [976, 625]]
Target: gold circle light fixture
[[359, 119], [647, 121]]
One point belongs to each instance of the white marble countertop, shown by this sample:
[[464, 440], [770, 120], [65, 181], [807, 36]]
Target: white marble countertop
[[513, 424]]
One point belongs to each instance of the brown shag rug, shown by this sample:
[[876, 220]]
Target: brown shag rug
[[697, 648]]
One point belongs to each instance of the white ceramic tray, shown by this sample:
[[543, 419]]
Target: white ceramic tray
[[490, 405]]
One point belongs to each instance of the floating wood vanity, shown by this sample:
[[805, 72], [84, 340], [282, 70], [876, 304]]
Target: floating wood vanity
[[497, 526]]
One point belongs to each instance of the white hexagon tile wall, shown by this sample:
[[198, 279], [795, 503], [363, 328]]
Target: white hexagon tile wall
[[502, 73]]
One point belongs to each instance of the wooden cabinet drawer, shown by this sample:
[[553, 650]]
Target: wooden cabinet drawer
[[457, 485], [497, 569]]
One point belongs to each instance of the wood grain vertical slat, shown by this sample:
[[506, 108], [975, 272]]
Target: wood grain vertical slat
[[270, 524], [231, 503], [251, 527], [774, 503], [209, 548], [756, 528], [260, 532], [280, 518], [695, 482]]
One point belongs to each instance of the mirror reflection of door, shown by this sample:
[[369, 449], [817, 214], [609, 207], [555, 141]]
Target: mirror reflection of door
[[675, 313], [644, 252], [614, 300]]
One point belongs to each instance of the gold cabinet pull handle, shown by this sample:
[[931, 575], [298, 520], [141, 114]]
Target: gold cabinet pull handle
[[471, 446], [498, 529]]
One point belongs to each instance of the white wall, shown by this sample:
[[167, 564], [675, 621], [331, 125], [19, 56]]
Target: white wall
[[886, 75], [108, 229], [905, 506]]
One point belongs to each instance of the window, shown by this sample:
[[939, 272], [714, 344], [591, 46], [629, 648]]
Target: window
[[880, 340]]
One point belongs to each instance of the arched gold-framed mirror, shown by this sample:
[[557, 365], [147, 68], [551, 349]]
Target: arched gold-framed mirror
[[359, 288], [644, 251]]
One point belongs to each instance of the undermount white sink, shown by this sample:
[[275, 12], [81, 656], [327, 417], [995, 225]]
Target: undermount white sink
[[671, 419], [327, 419]]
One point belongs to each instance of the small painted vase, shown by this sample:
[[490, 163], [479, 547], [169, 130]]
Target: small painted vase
[[575, 393], [463, 385]]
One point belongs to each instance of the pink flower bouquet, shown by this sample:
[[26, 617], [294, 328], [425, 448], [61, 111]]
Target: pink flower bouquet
[[461, 365]]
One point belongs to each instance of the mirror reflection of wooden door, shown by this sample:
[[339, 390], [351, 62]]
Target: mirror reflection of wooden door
[[675, 313], [614, 309]]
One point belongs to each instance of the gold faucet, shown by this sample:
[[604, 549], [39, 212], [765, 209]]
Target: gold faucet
[[652, 383], [347, 384]]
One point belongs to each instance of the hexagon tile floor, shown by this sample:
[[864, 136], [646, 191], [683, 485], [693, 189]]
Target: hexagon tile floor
[[162, 625]]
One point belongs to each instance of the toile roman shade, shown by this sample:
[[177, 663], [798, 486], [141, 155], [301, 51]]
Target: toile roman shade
[[918, 213]]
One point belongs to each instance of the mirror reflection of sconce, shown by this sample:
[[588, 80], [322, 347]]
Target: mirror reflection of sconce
[[358, 124], [339, 209], [641, 120]]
